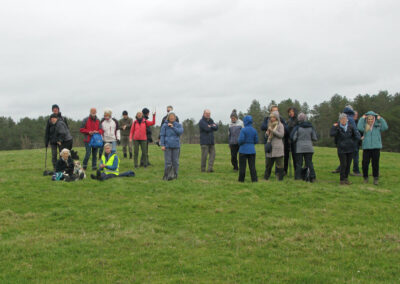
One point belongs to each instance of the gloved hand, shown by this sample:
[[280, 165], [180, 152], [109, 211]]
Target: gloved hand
[[118, 142]]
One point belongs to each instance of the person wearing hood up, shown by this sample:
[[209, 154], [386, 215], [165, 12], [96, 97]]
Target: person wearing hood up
[[234, 130], [371, 125], [50, 134], [170, 134], [291, 123], [248, 137], [346, 137], [274, 148], [303, 136]]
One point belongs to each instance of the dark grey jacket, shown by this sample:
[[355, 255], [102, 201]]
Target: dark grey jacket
[[303, 136], [234, 131], [62, 132]]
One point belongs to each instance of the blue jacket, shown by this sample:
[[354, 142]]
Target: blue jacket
[[206, 131], [350, 117], [248, 137], [170, 136], [115, 164]]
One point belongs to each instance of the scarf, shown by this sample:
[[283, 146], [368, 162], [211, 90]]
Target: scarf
[[273, 126], [344, 127]]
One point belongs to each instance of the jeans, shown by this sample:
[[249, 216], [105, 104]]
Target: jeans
[[171, 158], [113, 145], [368, 155], [251, 159], [143, 146], [308, 163], [93, 151], [207, 150], [345, 163], [234, 155]]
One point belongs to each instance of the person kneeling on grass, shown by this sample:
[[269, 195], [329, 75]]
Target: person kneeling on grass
[[346, 138], [170, 134], [247, 152], [109, 165], [65, 168]]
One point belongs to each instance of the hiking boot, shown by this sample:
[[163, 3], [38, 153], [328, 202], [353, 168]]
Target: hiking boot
[[366, 180], [93, 176], [342, 182], [125, 155], [312, 180], [130, 155], [281, 174], [346, 181], [357, 174], [335, 171], [376, 182], [210, 171], [235, 169], [82, 176]]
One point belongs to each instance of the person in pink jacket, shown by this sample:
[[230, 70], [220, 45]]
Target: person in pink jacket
[[139, 137]]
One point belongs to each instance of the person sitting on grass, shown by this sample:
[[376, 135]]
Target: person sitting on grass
[[64, 166], [346, 137], [248, 137], [170, 134], [109, 166]]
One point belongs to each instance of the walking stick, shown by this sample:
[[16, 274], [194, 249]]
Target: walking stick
[[290, 165], [45, 172]]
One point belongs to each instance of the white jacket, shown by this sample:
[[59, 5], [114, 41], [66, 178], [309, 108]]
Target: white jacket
[[111, 131]]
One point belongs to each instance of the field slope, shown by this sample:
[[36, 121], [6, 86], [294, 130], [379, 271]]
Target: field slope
[[202, 228]]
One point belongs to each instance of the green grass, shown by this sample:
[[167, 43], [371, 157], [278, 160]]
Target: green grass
[[203, 228]]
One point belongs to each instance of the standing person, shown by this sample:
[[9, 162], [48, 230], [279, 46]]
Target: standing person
[[274, 135], [169, 108], [291, 123], [90, 125], [170, 134], [207, 128], [146, 112], [303, 137], [111, 133], [62, 135], [371, 124], [264, 127], [50, 138], [346, 137], [125, 125], [248, 137], [139, 137], [234, 131]]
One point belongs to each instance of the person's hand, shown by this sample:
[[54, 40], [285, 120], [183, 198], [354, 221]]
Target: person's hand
[[379, 117], [364, 116], [124, 127], [214, 125], [95, 131], [154, 113], [209, 125], [102, 166], [59, 143], [90, 132], [130, 140], [163, 148], [119, 142], [336, 124], [170, 125], [362, 137]]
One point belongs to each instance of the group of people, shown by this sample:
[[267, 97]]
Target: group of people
[[283, 140]]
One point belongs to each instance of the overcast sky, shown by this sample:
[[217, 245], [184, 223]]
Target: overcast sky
[[192, 54]]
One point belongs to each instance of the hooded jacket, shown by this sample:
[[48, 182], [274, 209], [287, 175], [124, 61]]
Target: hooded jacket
[[276, 139], [90, 124], [111, 132], [303, 136], [234, 131], [49, 136], [345, 140], [170, 136], [372, 138], [350, 117], [62, 133], [206, 131], [248, 137], [139, 129]]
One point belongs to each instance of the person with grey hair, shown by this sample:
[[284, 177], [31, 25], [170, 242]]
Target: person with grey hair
[[64, 166], [111, 132], [207, 128], [345, 136], [274, 147], [303, 136]]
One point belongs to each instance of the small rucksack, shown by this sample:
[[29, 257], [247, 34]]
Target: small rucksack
[[96, 141]]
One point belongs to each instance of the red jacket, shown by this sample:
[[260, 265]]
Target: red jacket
[[90, 124], [138, 130]]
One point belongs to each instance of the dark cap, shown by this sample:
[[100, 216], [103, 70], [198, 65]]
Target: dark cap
[[145, 111], [53, 115], [124, 112], [55, 106]]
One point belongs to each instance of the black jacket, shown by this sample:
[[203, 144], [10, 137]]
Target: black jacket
[[345, 141], [67, 167], [50, 131], [148, 131], [206, 132]]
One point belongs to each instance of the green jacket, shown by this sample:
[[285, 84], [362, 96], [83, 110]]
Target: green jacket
[[128, 122], [372, 139]]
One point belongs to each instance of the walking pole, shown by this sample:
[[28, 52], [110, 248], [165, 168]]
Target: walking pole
[[45, 172], [290, 165]]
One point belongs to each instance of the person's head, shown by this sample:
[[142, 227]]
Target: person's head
[[171, 117], [125, 114], [55, 109], [145, 111], [234, 116], [343, 119], [139, 115], [107, 113], [274, 116], [370, 119], [355, 115], [53, 118], [93, 112], [65, 153], [273, 108], [107, 148], [291, 112], [207, 113], [170, 108], [302, 117]]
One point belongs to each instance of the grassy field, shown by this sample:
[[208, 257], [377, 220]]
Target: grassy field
[[202, 228]]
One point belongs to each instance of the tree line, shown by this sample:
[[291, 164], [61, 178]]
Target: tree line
[[28, 133]]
